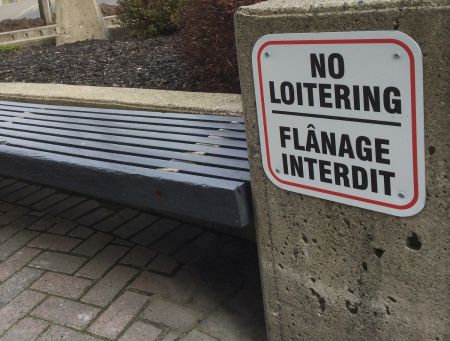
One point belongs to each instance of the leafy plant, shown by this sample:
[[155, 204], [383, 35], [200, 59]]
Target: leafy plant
[[208, 40], [150, 17], [8, 49]]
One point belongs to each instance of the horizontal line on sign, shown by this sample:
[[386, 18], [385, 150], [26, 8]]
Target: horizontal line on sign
[[361, 120]]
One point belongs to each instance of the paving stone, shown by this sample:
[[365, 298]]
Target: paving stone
[[25, 221], [111, 323], [207, 299], [166, 287], [4, 192], [123, 242], [26, 329], [17, 283], [109, 286], [139, 256], [44, 223], [135, 225], [65, 312], [155, 231], [14, 243], [37, 196], [62, 285], [50, 201], [247, 301], [106, 258], [59, 262], [94, 217], [18, 308], [171, 336], [6, 182], [199, 249], [54, 242], [114, 221], [64, 205], [5, 207], [12, 215], [196, 335], [80, 209], [18, 260], [22, 193], [172, 315], [34, 213], [163, 264], [177, 238], [62, 227], [62, 333], [81, 232], [226, 325], [94, 244], [140, 331], [6, 232]]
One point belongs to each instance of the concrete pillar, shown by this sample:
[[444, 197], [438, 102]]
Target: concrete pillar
[[45, 11], [79, 20], [335, 272]]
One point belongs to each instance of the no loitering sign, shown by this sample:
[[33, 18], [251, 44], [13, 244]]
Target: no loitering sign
[[341, 117]]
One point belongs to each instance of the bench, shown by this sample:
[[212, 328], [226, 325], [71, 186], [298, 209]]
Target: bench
[[186, 165]]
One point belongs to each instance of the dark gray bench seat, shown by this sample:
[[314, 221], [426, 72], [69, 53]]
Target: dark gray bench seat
[[188, 165]]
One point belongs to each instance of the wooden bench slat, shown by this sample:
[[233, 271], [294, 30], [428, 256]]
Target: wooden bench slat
[[167, 121], [195, 117], [161, 145], [190, 166], [218, 201], [192, 157], [137, 161], [9, 116], [35, 125]]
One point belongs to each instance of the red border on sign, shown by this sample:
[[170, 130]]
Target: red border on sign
[[413, 107]]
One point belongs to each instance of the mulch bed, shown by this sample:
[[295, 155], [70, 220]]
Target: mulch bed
[[155, 63], [19, 24]]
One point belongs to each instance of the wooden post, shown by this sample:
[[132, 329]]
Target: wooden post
[[45, 11]]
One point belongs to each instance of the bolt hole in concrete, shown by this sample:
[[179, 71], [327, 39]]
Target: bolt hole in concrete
[[392, 299], [388, 311], [413, 242], [320, 300], [305, 239], [431, 150], [364, 266], [352, 307], [396, 25], [378, 252]]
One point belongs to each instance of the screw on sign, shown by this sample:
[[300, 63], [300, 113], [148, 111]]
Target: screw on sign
[[341, 117]]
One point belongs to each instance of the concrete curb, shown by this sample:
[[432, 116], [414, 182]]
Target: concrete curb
[[123, 98]]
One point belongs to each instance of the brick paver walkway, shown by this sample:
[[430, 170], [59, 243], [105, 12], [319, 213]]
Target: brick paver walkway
[[77, 268]]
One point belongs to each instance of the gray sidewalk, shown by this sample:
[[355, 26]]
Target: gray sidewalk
[[83, 269]]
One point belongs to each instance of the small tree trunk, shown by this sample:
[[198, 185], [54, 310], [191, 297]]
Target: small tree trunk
[[45, 11]]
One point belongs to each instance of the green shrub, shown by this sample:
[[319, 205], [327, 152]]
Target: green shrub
[[208, 40], [8, 48], [146, 18]]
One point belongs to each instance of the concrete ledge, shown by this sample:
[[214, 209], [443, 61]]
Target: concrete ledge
[[123, 98]]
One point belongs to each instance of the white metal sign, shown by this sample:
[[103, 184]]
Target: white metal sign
[[341, 117]]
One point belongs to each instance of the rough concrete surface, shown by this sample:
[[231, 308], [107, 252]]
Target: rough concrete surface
[[335, 272], [79, 20], [123, 98]]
